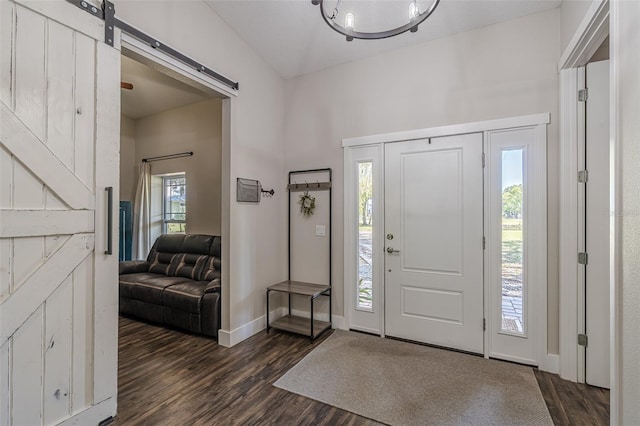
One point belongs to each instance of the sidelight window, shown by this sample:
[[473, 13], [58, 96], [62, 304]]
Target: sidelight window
[[365, 235], [512, 247]]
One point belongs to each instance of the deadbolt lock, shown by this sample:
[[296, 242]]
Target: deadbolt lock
[[389, 236]]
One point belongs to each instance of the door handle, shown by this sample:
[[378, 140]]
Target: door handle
[[391, 250], [109, 249]]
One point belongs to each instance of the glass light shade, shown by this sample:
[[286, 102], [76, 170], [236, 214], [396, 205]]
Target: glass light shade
[[349, 21], [413, 11]]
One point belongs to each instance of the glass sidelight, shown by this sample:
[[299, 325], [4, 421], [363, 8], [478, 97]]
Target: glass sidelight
[[365, 235], [512, 242]]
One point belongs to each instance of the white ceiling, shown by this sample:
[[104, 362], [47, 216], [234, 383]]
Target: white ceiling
[[153, 91], [292, 37]]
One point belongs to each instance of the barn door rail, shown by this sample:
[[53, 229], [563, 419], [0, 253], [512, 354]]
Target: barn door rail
[[107, 13]]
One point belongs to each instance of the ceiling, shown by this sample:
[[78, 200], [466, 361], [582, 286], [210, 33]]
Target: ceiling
[[292, 37], [153, 92]]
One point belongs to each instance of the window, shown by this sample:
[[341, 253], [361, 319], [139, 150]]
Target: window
[[365, 237], [512, 240], [174, 202]]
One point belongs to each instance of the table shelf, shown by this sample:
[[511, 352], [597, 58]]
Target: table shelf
[[310, 327], [300, 325]]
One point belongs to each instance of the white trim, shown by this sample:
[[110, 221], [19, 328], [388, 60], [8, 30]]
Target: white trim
[[541, 227], [589, 35], [231, 338], [580, 220], [370, 321], [450, 130], [144, 53], [535, 348], [568, 242], [549, 363], [93, 414]]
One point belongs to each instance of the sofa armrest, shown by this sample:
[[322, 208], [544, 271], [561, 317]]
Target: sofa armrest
[[133, 267], [213, 286]]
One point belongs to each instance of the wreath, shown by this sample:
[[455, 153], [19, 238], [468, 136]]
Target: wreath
[[307, 204]]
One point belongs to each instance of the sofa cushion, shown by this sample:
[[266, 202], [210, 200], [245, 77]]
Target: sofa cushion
[[190, 265], [147, 286], [164, 263], [184, 296], [197, 244], [211, 269]]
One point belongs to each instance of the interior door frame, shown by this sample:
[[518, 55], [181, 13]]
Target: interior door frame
[[160, 61], [591, 32], [546, 362]]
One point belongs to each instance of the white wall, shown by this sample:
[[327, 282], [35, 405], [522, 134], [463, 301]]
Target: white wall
[[197, 128], [128, 165], [502, 70], [255, 234], [625, 127], [572, 14]]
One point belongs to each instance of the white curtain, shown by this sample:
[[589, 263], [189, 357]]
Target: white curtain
[[142, 213]]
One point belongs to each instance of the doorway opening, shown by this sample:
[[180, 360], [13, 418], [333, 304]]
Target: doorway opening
[[174, 173], [177, 130]]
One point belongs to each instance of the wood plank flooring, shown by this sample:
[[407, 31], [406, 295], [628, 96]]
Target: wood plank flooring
[[167, 377]]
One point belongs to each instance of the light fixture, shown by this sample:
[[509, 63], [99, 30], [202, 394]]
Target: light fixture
[[415, 18]]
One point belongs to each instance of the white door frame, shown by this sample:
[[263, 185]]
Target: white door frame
[[160, 61], [547, 362], [592, 31]]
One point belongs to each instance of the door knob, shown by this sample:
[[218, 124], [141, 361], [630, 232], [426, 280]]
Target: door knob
[[392, 250]]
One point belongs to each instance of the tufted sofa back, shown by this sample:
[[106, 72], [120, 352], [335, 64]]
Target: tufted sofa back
[[190, 256]]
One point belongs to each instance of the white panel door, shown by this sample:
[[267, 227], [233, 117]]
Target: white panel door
[[433, 228], [59, 137], [597, 225]]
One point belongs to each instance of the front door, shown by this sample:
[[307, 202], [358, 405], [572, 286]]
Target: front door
[[59, 141], [434, 241]]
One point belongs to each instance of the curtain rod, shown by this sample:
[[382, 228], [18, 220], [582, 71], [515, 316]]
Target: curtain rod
[[168, 157]]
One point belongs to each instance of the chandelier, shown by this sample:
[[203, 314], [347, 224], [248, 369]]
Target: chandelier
[[416, 13]]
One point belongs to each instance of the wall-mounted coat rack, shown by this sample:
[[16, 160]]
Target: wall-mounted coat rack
[[313, 186], [306, 326]]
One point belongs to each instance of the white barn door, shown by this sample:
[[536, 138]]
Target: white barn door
[[59, 143]]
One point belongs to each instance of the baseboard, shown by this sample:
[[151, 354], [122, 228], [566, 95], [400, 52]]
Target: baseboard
[[231, 338], [550, 363]]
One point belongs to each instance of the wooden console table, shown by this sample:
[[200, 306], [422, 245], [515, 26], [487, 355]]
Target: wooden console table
[[295, 324]]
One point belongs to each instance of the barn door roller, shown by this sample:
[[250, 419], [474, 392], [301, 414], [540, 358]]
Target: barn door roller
[[107, 14]]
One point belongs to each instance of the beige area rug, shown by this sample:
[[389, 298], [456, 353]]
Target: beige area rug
[[401, 383]]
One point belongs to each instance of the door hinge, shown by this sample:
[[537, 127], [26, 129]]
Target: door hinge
[[583, 258], [583, 95], [583, 340], [583, 176], [484, 243], [484, 324], [483, 160]]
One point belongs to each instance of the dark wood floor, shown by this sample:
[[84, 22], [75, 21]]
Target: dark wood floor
[[167, 377]]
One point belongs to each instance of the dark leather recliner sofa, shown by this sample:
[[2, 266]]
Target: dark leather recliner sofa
[[178, 284]]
